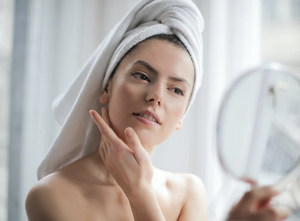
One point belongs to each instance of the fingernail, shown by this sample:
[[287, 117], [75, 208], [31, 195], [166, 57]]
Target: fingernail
[[129, 131], [91, 113]]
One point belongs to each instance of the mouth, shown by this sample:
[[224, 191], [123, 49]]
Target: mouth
[[147, 117]]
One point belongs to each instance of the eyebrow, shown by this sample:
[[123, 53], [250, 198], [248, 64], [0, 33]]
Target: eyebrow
[[154, 71]]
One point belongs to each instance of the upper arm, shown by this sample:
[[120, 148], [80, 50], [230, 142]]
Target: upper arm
[[44, 203], [195, 205]]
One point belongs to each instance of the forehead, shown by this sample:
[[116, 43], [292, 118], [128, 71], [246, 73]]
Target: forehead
[[166, 57]]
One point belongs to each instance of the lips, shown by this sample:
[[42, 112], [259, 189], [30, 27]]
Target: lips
[[149, 116]]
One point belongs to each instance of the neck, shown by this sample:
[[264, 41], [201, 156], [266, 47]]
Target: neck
[[99, 171], [149, 150]]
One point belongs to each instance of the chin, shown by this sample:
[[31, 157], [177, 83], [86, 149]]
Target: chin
[[149, 140]]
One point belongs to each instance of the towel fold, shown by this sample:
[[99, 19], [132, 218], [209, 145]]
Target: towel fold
[[79, 136]]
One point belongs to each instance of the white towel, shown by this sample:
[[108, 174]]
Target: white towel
[[79, 135]]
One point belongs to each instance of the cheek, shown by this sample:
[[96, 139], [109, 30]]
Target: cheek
[[123, 95], [122, 100], [179, 112], [176, 109], [176, 117]]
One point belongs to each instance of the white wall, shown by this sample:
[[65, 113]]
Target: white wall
[[6, 28], [63, 33]]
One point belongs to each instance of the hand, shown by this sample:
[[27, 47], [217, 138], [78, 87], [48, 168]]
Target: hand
[[129, 164], [255, 205]]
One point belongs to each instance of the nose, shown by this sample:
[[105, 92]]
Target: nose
[[155, 95]]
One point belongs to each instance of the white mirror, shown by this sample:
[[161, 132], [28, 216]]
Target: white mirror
[[258, 134], [258, 127]]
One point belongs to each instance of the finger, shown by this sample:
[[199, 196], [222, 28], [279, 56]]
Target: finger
[[262, 204], [282, 212], [134, 143], [275, 213], [250, 181], [263, 194], [252, 198], [99, 121], [264, 215], [102, 153], [104, 128], [96, 118], [105, 116]]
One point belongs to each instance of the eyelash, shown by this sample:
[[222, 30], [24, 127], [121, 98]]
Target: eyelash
[[146, 78], [135, 74], [180, 91]]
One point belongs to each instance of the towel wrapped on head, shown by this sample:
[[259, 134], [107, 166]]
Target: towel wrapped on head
[[79, 136]]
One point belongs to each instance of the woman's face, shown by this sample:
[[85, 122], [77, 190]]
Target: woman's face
[[150, 91]]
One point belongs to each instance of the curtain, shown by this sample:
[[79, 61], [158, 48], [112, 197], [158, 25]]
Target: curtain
[[63, 33]]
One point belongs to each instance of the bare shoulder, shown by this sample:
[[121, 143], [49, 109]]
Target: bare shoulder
[[194, 203], [190, 183], [193, 184], [48, 199]]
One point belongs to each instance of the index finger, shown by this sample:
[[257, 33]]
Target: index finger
[[103, 127], [256, 198], [250, 181]]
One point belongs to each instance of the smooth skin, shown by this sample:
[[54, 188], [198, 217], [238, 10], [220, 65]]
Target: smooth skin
[[255, 206], [118, 182]]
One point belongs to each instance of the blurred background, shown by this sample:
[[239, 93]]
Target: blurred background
[[43, 43]]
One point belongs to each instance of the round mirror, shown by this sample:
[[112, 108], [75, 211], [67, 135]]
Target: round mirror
[[258, 125]]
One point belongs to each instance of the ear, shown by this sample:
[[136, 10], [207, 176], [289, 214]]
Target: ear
[[179, 125], [104, 96]]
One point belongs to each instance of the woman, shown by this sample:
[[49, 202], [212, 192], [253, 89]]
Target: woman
[[150, 81]]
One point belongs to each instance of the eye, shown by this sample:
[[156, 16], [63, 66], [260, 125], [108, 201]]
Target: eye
[[177, 91], [141, 76]]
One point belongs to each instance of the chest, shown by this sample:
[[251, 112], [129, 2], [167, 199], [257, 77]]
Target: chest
[[111, 204]]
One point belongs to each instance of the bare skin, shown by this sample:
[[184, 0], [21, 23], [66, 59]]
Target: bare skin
[[66, 195], [85, 191], [255, 206], [118, 182]]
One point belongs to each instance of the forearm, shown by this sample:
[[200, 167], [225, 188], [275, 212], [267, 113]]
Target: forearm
[[144, 205]]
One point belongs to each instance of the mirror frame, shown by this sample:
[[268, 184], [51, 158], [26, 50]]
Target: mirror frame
[[271, 66]]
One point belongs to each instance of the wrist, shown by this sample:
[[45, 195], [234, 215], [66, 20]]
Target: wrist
[[140, 192]]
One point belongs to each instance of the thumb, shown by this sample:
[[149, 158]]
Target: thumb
[[135, 145]]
